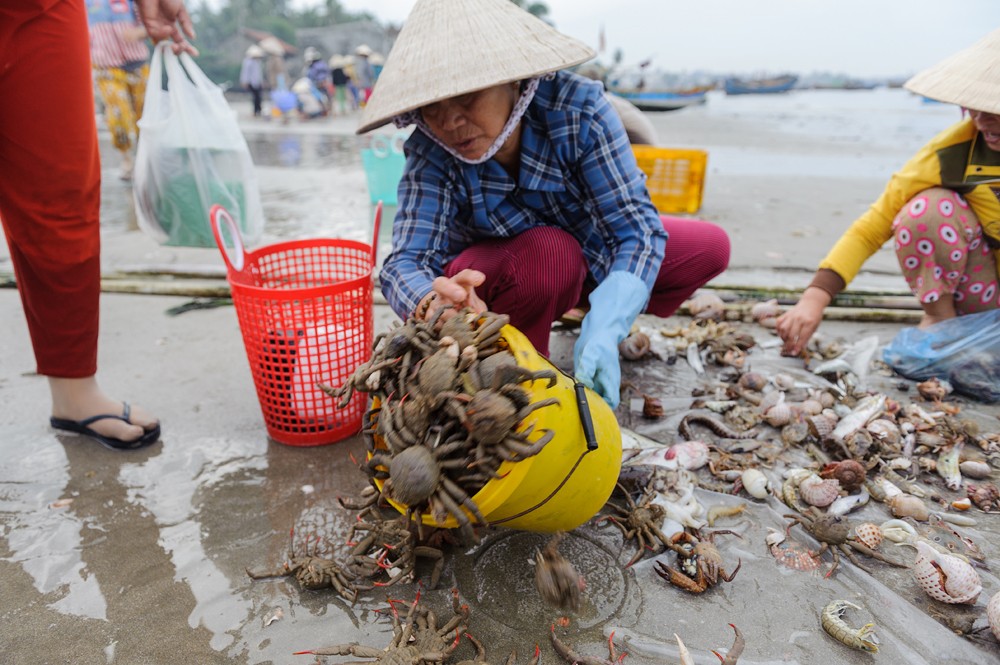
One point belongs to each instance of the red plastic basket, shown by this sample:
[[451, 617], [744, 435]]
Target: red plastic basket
[[305, 313]]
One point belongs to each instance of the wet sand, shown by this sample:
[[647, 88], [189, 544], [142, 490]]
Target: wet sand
[[141, 557]]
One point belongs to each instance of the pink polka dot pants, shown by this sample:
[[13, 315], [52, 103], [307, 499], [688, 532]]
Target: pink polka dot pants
[[940, 247]]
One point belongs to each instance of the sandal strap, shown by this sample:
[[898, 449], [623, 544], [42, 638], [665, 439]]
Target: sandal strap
[[126, 412]]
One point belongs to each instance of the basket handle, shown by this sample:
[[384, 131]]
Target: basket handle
[[378, 223], [219, 215]]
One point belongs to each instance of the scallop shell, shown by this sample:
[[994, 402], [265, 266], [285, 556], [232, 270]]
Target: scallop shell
[[993, 614], [819, 492], [884, 431], [945, 577], [755, 483], [975, 469], [778, 415], [869, 535], [821, 425]]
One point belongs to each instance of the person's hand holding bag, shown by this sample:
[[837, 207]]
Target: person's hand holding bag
[[167, 19], [614, 304]]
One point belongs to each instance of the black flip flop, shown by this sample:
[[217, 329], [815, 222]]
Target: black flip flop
[[81, 427]]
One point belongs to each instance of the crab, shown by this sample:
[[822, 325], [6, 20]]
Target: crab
[[834, 534], [416, 477], [394, 548], [312, 572], [571, 656], [411, 640], [642, 522], [699, 561], [557, 581], [480, 658], [481, 331]]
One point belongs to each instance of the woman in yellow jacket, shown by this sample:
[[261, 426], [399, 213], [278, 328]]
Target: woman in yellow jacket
[[942, 208]]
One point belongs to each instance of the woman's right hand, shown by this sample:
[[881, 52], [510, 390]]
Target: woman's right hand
[[797, 325]]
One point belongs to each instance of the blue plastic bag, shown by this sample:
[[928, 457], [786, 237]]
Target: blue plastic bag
[[964, 350]]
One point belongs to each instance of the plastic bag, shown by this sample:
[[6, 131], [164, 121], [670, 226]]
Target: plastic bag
[[964, 350], [191, 155]]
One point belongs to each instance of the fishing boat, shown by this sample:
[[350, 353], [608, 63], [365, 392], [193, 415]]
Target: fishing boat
[[739, 86], [664, 100]]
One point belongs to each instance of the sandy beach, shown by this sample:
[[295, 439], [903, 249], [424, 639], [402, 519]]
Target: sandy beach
[[142, 557]]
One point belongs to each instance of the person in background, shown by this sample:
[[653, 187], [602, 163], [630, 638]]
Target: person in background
[[340, 82], [119, 57], [363, 76], [941, 208], [252, 75], [50, 200], [377, 61], [275, 71], [520, 193], [319, 73], [308, 99]]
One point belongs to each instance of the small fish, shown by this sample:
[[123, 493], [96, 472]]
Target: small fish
[[866, 410], [947, 466], [846, 504], [694, 359]]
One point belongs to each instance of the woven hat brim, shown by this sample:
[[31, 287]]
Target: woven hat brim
[[448, 48], [970, 78]]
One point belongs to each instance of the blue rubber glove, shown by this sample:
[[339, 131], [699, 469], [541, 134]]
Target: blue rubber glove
[[614, 304]]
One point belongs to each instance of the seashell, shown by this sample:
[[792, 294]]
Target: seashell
[[820, 425], [752, 381], [690, 455], [869, 535], [993, 614], [975, 469], [765, 310], [857, 442], [756, 483], [794, 433], [947, 467], [906, 505], [778, 415], [898, 531], [885, 431], [811, 407], [886, 487], [783, 381], [635, 346], [770, 322], [934, 389], [706, 305], [652, 407], [770, 399], [827, 399], [845, 504], [929, 439], [819, 492], [850, 473], [774, 537], [962, 504], [945, 577]]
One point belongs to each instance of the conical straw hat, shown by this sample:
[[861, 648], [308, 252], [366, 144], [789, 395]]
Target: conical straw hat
[[450, 47], [970, 78]]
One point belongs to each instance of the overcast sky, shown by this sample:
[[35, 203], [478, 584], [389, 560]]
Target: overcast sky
[[855, 37]]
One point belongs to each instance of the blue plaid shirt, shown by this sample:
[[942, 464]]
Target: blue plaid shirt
[[577, 173]]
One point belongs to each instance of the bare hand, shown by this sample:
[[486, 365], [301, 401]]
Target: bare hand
[[458, 291], [797, 325], [168, 19]]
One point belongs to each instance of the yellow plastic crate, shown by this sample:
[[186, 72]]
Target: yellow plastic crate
[[675, 178]]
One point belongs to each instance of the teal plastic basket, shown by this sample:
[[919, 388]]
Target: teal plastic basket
[[383, 163]]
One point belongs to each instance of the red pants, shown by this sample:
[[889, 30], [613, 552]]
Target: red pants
[[50, 179], [538, 275]]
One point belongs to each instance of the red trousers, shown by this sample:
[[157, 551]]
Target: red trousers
[[50, 179], [538, 275]]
